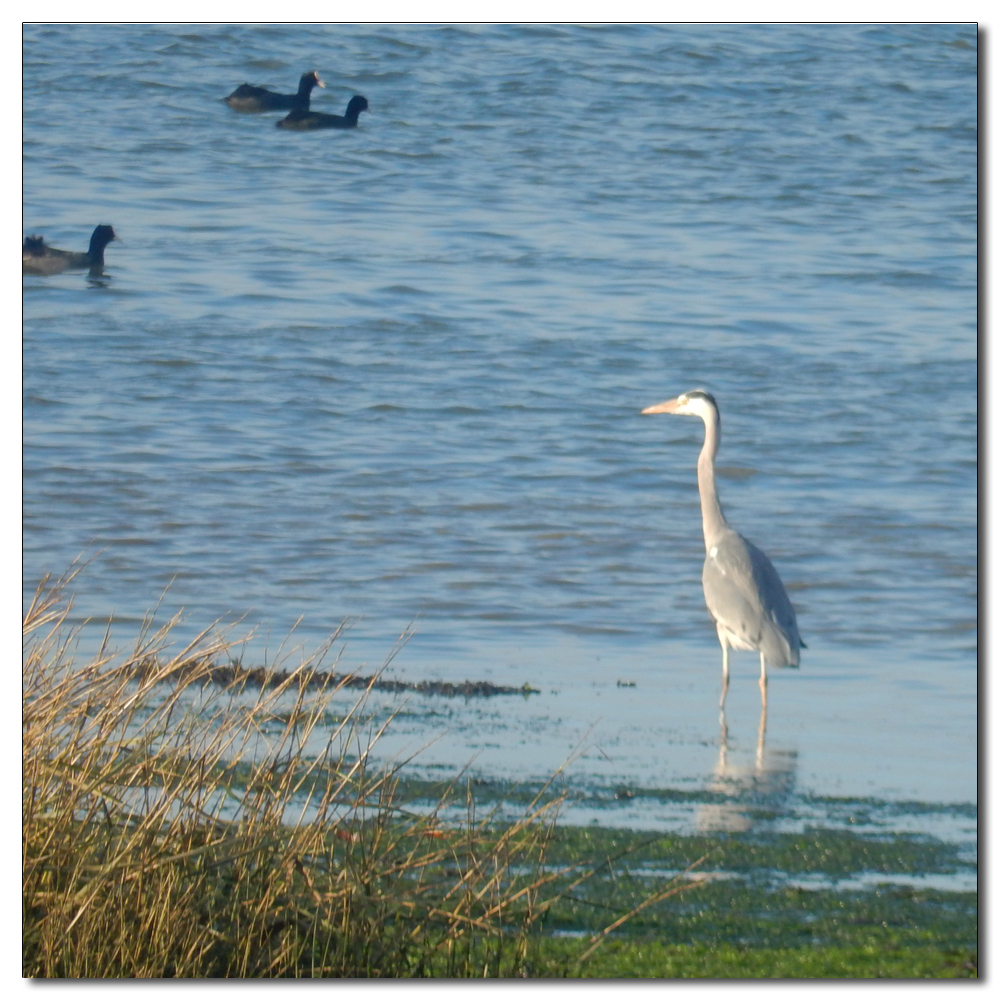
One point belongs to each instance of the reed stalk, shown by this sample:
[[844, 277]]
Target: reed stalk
[[173, 827]]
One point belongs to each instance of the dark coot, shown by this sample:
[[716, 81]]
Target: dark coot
[[253, 99], [37, 257], [305, 121]]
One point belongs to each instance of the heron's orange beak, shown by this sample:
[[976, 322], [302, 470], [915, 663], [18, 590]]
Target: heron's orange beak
[[670, 406]]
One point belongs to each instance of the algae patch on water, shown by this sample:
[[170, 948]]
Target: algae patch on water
[[747, 917]]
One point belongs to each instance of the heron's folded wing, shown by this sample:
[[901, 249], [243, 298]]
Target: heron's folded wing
[[730, 592], [774, 599]]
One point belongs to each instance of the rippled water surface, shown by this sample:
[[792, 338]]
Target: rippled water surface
[[394, 375]]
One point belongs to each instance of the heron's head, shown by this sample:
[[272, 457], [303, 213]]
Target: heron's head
[[696, 403]]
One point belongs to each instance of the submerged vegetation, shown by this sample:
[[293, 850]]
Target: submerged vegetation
[[178, 823], [234, 674], [822, 904]]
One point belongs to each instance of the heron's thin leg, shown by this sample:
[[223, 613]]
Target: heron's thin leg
[[725, 674], [761, 730], [763, 683]]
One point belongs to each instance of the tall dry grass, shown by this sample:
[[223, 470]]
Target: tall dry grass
[[173, 828]]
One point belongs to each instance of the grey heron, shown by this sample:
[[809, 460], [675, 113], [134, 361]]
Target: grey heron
[[743, 591]]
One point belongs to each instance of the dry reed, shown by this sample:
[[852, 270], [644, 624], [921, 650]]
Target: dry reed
[[176, 828]]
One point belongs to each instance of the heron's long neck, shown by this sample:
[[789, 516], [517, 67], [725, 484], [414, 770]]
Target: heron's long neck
[[712, 521]]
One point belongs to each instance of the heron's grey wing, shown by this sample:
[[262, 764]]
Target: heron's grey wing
[[774, 598], [745, 595], [730, 592]]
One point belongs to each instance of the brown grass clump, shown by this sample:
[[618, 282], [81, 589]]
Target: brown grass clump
[[176, 828]]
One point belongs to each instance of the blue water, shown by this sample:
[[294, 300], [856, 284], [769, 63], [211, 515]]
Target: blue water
[[394, 375]]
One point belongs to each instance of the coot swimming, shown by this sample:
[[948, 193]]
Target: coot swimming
[[302, 120], [37, 257], [253, 99]]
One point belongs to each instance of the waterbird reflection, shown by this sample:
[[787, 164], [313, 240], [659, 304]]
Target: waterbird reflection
[[752, 789]]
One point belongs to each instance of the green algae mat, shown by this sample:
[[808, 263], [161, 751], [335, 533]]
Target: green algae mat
[[818, 904]]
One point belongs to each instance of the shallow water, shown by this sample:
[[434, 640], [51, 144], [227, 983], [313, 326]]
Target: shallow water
[[394, 375]]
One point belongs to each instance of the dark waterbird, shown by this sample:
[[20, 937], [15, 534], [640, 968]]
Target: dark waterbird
[[301, 120], [37, 257], [253, 99]]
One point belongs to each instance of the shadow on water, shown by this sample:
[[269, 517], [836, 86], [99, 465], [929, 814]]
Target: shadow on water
[[755, 790]]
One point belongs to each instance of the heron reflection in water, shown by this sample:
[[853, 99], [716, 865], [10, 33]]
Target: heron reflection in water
[[758, 787], [743, 591]]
